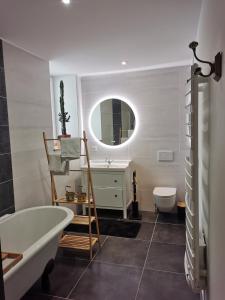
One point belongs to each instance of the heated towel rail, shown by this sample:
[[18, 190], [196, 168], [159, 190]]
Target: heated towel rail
[[195, 266]]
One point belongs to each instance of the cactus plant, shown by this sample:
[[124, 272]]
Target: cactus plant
[[63, 116]]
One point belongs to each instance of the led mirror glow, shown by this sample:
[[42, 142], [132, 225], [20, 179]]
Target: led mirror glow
[[67, 2], [113, 122]]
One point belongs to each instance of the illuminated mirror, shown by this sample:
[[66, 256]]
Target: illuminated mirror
[[112, 122]]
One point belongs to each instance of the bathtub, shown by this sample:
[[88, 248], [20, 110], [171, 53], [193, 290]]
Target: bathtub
[[35, 233]]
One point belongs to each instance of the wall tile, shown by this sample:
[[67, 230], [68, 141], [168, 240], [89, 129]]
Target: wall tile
[[158, 96], [9, 210], [5, 167], [29, 77], [29, 115], [6, 196], [3, 112], [6, 182], [2, 83], [1, 55], [4, 140], [29, 109]]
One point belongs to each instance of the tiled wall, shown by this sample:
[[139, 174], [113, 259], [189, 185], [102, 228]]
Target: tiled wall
[[29, 108], [158, 96], [6, 178]]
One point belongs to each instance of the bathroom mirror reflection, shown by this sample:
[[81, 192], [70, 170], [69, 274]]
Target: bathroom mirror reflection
[[113, 122]]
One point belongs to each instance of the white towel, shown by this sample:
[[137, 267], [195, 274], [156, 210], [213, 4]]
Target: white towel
[[70, 148], [56, 165]]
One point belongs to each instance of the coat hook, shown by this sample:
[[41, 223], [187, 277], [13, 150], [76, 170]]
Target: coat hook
[[215, 68]]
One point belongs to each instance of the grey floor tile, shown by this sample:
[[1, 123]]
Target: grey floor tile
[[123, 251], [40, 297], [169, 218], [63, 277], [148, 216], [166, 257], [107, 282], [145, 232], [171, 234], [164, 286]]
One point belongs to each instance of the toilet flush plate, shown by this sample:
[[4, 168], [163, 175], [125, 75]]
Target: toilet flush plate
[[165, 155]]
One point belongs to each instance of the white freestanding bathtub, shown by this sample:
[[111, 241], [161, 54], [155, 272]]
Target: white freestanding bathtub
[[35, 233]]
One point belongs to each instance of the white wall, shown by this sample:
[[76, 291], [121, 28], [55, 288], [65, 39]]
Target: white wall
[[158, 96], [211, 38], [29, 108]]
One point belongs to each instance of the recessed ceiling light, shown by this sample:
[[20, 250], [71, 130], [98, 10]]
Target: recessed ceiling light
[[66, 2], [123, 63]]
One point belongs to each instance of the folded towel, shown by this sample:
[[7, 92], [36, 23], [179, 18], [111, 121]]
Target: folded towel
[[70, 148], [56, 165]]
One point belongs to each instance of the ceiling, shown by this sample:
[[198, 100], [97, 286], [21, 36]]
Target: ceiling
[[91, 36]]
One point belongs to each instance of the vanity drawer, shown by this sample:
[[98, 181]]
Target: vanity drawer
[[106, 197], [106, 180]]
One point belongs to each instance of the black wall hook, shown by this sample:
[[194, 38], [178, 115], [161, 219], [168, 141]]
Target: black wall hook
[[215, 68]]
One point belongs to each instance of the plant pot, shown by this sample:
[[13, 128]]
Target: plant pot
[[81, 197], [64, 136], [70, 196]]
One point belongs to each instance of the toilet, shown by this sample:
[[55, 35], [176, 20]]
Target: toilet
[[165, 198]]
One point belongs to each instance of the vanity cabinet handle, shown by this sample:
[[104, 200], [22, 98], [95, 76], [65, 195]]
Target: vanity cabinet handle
[[115, 180], [115, 196]]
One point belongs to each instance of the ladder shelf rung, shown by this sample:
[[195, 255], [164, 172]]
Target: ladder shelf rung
[[75, 201], [82, 220], [77, 242]]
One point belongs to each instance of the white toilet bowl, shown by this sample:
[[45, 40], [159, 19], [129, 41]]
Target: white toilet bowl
[[165, 198]]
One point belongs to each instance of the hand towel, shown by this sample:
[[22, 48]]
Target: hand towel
[[56, 165], [70, 148]]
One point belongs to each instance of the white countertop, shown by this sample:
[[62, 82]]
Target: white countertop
[[115, 165]]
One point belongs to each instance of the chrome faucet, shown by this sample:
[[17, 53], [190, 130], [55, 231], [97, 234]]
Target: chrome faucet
[[108, 161]]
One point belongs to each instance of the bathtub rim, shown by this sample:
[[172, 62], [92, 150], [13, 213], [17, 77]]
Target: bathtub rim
[[40, 243]]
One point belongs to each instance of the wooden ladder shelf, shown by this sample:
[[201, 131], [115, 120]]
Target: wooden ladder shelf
[[78, 242]]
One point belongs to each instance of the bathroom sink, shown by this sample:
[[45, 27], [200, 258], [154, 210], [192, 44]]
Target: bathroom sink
[[114, 165]]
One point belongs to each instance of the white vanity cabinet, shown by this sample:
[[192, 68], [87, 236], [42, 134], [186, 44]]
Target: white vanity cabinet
[[112, 185]]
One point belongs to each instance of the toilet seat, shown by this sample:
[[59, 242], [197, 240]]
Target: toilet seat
[[164, 191]]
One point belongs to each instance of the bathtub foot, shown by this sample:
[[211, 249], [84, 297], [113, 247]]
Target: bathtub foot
[[45, 282]]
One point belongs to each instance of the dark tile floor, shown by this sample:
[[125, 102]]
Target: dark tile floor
[[148, 267]]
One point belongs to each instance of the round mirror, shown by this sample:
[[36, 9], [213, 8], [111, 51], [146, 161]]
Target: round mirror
[[112, 122]]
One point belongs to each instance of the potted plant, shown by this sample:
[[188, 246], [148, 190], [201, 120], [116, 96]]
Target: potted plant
[[63, 116]]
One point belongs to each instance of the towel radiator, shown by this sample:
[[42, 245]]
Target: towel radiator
[[195, 257]]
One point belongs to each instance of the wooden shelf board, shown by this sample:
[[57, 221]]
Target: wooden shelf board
[[82, 220], [77, 242], [64, 201], [4, 255]]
